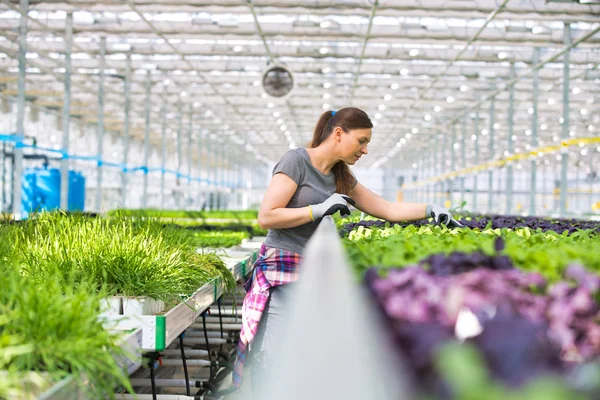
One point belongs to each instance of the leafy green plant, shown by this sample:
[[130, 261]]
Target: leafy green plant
[[55, 331], [545, 252], [459, 209], [258, 231]]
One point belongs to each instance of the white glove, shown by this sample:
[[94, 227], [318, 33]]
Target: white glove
[[441, 215], [336, 202]]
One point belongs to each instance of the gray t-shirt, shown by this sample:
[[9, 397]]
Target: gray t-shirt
[[313, 187]]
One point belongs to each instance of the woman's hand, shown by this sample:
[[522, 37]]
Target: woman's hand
[[336, 202], [441, 215]]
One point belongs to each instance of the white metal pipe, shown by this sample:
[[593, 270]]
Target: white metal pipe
[[125, 137], [217, 326], [66, 116], [190, 362], [188, 353], [100, 138], [364, 48], [179, 154], [476, 159], [151, 397], [453, 162], [510, 143], [147, 137], [210, 334], [189, 149], [18, 152], [443, 169], [163, 158], [534, 132], [141, 382], [463, 157], [209, 157], [201, 341], [564, 187], [225, 320], [492, 156], [228, 312]]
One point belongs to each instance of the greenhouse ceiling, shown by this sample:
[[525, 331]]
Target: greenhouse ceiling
[[416, 67]]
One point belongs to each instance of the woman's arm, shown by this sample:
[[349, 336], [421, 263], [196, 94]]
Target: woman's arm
[[273, 213], [379, 207]]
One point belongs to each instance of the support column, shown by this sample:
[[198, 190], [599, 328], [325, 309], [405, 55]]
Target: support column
[[510, 144], [240, 176], [147, 138], [100, 123], [228, 162], [219, 179], [221, 164], [200, 167], [125, 138], [534, 131], [202, 156], [189, 149], [179, 155], [475, 159], [417, 172], [492, 156], [434, 164], [463, 157], [443, 169], [565, 126], [66, 117], [452, 163], [18, 152], [163, 157], [209, 161]]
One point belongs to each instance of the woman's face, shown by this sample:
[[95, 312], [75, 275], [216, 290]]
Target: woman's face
[[353, 144]]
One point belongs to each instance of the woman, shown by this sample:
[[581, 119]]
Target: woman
[[308, 184]]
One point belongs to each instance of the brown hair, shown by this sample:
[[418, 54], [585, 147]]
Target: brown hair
[[347, 118]]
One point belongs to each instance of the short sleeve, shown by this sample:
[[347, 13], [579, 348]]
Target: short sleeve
[[290, 165]]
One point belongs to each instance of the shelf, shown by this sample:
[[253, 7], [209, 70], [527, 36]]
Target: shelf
[[159, 331], [151, 333], [241, 262], [132, 344], [66, 389]]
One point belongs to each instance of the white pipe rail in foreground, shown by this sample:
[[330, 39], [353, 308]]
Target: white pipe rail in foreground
[[333, 345]]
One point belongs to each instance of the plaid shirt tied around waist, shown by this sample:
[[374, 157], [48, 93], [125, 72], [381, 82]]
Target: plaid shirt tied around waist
[[274, 267]]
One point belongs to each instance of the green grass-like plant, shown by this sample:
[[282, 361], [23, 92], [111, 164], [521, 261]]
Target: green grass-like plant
[[188, 214], [116, 255], [49, 332], [216, 239]]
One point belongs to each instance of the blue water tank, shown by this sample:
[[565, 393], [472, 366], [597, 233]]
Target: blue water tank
[[41, 190]]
